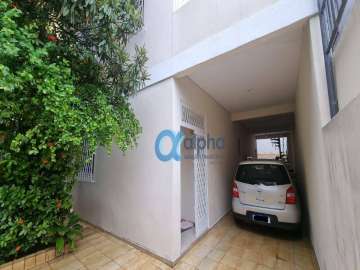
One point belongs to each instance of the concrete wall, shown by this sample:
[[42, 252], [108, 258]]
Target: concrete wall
[[342, 147], [347, 57], [167, 32], [187, 180], [244, 141], [343, 156], [157, 32], [199, 19], [218, 124], [138, 197], [133, 196], [328, 151], [311, 166]]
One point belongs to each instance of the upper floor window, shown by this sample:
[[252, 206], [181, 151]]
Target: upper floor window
[[140, 6], [331, 14], [331, 17], [179, 4]]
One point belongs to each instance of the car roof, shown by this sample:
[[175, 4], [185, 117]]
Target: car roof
[[261, 161]]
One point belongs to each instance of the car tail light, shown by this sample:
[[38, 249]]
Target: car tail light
[[291, 195], [235, 191]]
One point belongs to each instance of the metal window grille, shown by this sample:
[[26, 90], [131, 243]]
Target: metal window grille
[[331, 15], [191, 118], [140, 6], [87, 173], [201, 192]]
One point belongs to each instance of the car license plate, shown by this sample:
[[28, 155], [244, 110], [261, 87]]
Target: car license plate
[[261, 218]]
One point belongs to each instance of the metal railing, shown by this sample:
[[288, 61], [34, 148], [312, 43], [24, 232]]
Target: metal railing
[[331, 15], [87, 173], [140, 6]]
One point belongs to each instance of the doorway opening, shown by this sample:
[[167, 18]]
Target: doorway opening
[[188, 233]]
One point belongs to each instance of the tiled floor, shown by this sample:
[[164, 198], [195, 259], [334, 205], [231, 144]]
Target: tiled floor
[[226, 247]]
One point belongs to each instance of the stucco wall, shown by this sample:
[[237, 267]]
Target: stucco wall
[[311, 160], [328, 153], [218, 124], [347, 58], [187, 181], [244, 141], [167, 33], [157, 32], [199, 19], [343, 156], [133, 196], [138, 197], [342, 147]]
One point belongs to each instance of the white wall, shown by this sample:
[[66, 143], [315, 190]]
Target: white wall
[[342, 148], [138, 197], [167, 33], [218, 124], [328, 150], [312, 170], [199, 19], [244, 141], [343, 156], [187, 180], [133, 196], [347, 58], [156, 34]]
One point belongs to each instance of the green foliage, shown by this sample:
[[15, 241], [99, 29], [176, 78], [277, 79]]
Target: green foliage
[[65, 78]]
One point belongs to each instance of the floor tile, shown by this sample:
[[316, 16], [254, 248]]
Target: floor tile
[[207, 264], [226, 247]]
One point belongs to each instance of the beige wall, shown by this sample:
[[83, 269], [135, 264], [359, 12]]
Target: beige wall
[[312, 171], [218, 124], [199, 19], [167, 33], [328, 154], [244, 141], [342, 147], [343, 156], [347, 58], [133, 196], [187, 180], [156, 34], [138, 197]]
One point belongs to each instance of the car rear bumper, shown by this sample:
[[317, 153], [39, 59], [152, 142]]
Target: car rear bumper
[[274, 223], [284, 218]]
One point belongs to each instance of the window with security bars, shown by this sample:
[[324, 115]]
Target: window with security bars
[[140, 6], [191, 118], [331, 16], [87, 173]]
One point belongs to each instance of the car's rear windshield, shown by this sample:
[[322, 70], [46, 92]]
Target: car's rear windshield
[[266, 174]]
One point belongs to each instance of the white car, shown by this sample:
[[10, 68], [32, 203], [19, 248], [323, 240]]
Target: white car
[[264, 193]]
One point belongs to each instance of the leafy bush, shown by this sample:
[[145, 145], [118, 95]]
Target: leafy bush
[[59, 87]]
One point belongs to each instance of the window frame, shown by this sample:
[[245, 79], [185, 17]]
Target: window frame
[[331, 13]]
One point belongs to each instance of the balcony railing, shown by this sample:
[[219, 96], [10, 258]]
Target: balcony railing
[[140, 6], [331, 15]]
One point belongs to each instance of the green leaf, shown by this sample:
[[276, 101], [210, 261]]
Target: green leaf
[[59, 246]]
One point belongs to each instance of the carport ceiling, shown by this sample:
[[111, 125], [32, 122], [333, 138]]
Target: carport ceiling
[[261, 74], [275, 123]]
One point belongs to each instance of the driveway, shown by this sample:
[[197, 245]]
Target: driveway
[[228, 246]]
